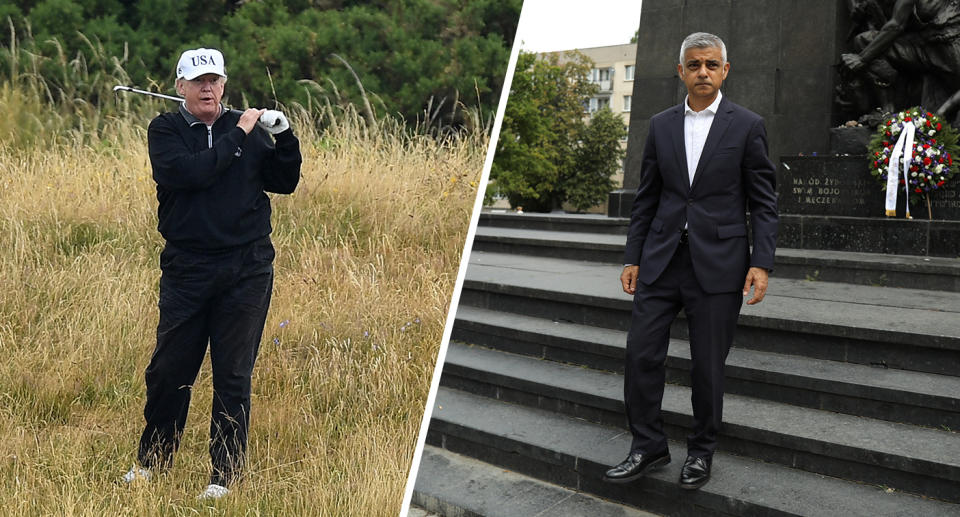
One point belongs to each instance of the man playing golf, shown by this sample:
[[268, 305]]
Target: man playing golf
[[212, 168]]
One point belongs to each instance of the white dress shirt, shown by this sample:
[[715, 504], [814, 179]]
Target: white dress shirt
[[696, 126]]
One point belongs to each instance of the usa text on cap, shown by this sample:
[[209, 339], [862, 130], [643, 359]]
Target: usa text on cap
[[196, 62]]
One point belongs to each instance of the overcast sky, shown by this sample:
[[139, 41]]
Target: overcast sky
[[547, 25]]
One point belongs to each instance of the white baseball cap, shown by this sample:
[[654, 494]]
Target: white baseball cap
[[199, 61]]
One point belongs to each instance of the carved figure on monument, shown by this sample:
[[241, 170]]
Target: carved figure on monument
[[869, 15], [913, 56]]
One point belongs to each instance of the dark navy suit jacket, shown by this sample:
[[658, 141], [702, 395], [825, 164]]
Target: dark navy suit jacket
[[734, 175]]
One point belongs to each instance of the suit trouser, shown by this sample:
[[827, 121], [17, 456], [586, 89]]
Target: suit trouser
[[221, 298], [712, 319]]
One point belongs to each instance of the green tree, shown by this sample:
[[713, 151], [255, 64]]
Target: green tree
[[417, 59], [596, 159], [541, 127], [60, 19]]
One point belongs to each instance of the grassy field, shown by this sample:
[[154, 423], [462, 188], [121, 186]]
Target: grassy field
[[367, 255]]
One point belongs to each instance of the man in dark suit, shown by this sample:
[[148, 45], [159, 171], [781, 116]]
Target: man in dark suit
[[704, 164]]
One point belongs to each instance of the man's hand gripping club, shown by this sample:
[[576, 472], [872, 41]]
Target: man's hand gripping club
[[275, 122], [272, 121], [249, 118]]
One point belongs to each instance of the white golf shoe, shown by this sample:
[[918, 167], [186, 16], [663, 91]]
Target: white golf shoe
[[213, 492], [136, 473]]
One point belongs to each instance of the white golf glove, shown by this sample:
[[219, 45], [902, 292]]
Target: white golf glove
[[274, 122]]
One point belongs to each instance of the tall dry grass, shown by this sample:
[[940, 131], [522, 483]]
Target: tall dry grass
[[367, 254]]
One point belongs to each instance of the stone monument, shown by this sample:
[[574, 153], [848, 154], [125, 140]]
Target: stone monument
[[792, 62]]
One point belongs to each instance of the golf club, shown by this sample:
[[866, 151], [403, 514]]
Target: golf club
[[122, 88]]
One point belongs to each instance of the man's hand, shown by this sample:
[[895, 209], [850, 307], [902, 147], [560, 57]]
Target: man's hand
[[274, 122], [629, 279], [756, 277], [248, 119]]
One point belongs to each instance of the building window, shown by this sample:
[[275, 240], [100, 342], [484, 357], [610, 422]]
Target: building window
[[600, 74], [628, 73], [597, 103], [627, 99], [602, 77]]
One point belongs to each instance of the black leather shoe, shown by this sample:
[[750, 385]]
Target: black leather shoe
[[695, 473], [635, 466]]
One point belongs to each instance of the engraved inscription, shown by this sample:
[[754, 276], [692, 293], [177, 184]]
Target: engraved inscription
[[844, 187], [829, 191], [832, 187]]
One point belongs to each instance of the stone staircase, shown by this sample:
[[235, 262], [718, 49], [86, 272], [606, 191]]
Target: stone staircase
[[843, 387]]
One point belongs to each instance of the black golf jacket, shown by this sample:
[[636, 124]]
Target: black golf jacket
[[211, 184]]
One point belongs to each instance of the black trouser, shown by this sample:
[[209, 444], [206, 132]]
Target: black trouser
[[712, 319], [218, 297]]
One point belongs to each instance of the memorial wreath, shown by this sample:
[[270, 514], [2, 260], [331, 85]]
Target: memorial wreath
[[921, 147]]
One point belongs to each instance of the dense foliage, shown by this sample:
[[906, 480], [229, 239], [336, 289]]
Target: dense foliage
[[421, 59], [547, 154], [596, 159]]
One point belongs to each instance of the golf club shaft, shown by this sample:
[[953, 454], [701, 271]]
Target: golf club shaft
[[121, 88], [144, 92]]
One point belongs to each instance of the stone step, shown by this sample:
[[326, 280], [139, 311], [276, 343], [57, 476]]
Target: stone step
[[883, 393], [932, 273], [453, 484], [889, 327], [590, 223], [918, 237], [573, 452], [910, 458], [597, 247]]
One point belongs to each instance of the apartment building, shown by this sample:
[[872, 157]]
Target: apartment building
[[613, 70]]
